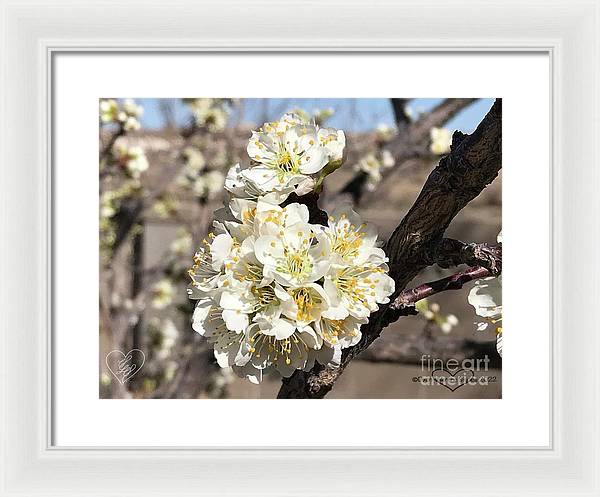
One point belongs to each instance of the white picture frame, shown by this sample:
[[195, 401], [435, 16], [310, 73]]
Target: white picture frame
[[33, 33]]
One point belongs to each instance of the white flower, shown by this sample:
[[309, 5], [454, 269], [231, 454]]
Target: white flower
[[287, 153], [169, 333], [183, 243], [373, 165], [334, 142], [281, 345], [452, 319], [107, 204], [285, 158], [167, 336], [295, 256], [344, 332], [194, 159], [208, 322], [486, 298], [387, 159], [356, 281], [162, 293], [131, 108], [109, 110], [240, 186], [307, 304], [204, 276], [126, 115], [244, 217], [356, 290], [131, 124], [441, 139], [352, 241], [384, 132], [431, 312], [209, 185], [499, 342]]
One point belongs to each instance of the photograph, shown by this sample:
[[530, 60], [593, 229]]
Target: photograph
[[273, 248]]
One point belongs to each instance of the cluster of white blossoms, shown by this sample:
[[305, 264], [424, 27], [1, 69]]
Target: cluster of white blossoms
[[376, 161], [126, 114], [373, 165], [162, 293], [211, 113], [431, 312], [274, 291], [204, 183], [286, 156], [132, 159]]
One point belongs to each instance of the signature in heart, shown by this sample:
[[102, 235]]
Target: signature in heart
[[452, 381], [124, 366]]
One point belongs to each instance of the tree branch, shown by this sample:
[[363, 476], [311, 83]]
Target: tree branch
[[400, 117], [107, 148], [408, 298], [473, 163], [454, 252], [438, 116], [412, 140]]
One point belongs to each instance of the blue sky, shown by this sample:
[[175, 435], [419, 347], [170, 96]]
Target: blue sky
[[351, 114]]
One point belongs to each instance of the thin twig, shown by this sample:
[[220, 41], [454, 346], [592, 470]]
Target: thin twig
[[454, 282]]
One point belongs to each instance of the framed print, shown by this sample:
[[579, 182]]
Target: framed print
[[246, 246]]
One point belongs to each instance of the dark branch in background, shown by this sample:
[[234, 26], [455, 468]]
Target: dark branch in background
[[107, 149], [132, 208], [106, 152], [400, 117], [412, 139], [400, 349], [438, 116], [473, 163]]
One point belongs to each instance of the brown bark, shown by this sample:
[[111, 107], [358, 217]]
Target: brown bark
[[451, 253], [408, 298]]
